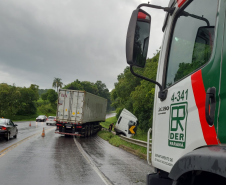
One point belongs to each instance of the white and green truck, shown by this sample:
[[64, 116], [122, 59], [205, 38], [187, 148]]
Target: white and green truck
[[189, 119]]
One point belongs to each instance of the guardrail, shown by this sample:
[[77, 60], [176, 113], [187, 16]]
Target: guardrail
[[135, 141], [139, 143]]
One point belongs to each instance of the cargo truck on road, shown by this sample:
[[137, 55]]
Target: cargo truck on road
[[189, 118], [79, 113]]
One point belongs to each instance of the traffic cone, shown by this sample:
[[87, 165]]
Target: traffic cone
[[30, 124], [43, 133]]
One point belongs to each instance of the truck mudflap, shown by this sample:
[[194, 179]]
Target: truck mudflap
[[65, 133], [157, 179]]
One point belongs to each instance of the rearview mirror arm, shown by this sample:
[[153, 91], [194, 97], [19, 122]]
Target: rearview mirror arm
[[186, 14], [166, 9], [162, 94]]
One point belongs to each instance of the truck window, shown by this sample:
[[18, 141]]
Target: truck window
[[119, 120], [192, 40]]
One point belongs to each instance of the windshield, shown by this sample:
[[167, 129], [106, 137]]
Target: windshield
[[192, 40]]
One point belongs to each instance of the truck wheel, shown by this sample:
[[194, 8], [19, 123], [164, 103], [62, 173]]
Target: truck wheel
[[89, 128], [86, 130]]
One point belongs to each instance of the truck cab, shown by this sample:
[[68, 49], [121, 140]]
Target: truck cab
[[124, 123], [189, 123]]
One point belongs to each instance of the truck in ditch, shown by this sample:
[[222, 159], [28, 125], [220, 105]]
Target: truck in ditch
[[126, 124], [79, 113], [189, 120]]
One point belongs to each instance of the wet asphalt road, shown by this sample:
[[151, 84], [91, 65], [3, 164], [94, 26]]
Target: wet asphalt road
[[55, 159]]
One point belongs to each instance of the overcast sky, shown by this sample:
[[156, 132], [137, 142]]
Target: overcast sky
[[68, 39]]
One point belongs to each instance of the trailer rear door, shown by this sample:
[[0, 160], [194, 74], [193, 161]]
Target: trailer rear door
[[76, 102]]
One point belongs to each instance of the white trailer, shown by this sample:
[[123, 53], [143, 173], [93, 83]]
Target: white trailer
[[79, 112]]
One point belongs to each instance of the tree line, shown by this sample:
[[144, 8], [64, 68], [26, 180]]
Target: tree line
[[27, 101], [135, 94], [18, 100]]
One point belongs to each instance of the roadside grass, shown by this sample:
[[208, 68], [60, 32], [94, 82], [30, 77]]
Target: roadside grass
[[25, 118], [108, 121], [140, 135], [116, 141], [29, 117]]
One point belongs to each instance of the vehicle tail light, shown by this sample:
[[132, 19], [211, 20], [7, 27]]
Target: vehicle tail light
[[59, 125], [4, 128], [79, 126], [47, 119], [54, 119]]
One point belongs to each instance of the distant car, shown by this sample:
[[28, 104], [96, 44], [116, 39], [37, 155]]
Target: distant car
[[8, 129], [41, 118], [51, 120]]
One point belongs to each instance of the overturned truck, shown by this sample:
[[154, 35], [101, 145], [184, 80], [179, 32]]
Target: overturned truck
[[79, 113]]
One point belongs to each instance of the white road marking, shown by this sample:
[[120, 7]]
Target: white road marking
[[89, 160]]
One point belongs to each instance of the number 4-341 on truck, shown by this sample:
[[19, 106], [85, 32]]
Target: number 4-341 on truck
[[189, 121]]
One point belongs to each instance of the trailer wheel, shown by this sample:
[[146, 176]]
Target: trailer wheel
[[91, 130], [86, 131]]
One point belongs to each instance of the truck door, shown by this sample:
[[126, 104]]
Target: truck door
[[189, 65], [221, 127]]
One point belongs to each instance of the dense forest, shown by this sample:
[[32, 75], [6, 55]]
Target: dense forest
[[135, 94]]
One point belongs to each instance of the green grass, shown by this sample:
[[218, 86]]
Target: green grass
[[25, 118], [29, 117], [116, 141], [108, 121], [140, 135]]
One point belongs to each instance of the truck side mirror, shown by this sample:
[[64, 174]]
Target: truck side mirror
[[137, 43], [138, 38]]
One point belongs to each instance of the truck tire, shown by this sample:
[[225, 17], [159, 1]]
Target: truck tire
[[86, 131], [89, 129]]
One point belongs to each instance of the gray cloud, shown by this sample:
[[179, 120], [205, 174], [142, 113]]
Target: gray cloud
[[67, 39]]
